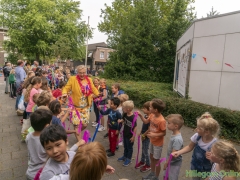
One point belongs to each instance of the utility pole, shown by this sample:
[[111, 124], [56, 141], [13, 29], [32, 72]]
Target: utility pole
[[87, 44]]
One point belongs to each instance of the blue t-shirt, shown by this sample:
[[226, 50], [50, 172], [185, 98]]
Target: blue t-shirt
[[56, 120], [113, 117]]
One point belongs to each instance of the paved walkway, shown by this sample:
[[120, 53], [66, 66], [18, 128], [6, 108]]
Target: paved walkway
[[13, 154]]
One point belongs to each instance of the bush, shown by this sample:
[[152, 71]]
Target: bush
[[141, 92]]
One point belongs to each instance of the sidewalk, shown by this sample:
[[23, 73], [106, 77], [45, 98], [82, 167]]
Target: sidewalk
[[13, 154]]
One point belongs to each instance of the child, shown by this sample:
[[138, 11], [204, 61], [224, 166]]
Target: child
[[113, 117], [89, 163], [12, 81], [103, 92], [36, 154], [175, 122], [202, 141], [144, 164], [54, 140], [58, 92], [128, 136], [58, 118], [156, 133], [96, 83], [43, 100], [226, 160], [123, 98], [32, 89]]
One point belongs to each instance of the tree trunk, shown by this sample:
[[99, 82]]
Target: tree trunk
[[37, 57]]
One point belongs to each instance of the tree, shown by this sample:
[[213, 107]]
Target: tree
[[38, 26], [139, 30], [212, 13]]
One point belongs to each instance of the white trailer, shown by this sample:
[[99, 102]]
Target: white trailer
[[207, 63]]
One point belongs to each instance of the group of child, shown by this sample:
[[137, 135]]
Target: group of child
[[47, 143]]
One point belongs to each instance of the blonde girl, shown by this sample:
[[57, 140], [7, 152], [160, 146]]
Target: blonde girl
[[201, 142], [96, 83], [32, 89], [226, 160]]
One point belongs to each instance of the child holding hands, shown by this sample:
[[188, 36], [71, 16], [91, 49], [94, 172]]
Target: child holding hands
[[157, 131], [128, 136], [144, 164], [201, 142]]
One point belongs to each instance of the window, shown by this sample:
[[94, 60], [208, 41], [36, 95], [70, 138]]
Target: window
[[108, 54], [101, 55]]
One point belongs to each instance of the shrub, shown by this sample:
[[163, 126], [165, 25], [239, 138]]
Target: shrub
[[141, 92]]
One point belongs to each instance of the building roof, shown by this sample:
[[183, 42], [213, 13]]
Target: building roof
[[92, 47]]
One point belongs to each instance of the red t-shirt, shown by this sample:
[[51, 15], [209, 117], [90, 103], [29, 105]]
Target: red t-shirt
[[57, 93]]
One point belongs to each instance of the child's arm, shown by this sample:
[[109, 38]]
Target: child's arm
[[66, 115], [104, 112], [186, 149], [152, 134], [167, 161], [134, 134], [145, 121], [110, 169]]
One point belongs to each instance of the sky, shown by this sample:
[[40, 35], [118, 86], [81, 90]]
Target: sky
[[93, 8]]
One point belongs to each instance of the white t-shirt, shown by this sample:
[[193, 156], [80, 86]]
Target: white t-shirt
[[202, 145]]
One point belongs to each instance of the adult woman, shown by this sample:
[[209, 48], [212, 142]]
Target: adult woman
[[82, 89]]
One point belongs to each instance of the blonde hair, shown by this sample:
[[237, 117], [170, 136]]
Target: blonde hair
[[128, 104], [44, 98], [29, 74], [229, 154], [207, 123], [103, 80], [123, 98], [96, 78], [89, 163], [176, 119], [80, 67], [12, 71]]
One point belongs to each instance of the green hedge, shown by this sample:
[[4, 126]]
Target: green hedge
[[141, 92]]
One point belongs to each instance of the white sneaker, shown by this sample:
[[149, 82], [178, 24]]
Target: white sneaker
[[94, 124], [101, 128], [120, 144]]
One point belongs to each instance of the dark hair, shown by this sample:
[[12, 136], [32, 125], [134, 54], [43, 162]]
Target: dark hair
[[27, 82], [147, 105], [44, 72], [38, 71], [158, 104], [61, 84], [40, 118], [44, 84], [55, 107], [53, 133], [27, 64], [19, 62], [116, 101]]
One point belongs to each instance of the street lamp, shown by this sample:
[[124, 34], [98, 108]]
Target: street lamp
[[87, 44]]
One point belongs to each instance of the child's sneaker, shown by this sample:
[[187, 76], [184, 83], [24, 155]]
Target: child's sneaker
[[145, 168], [122, 158], [127, 162], [110, 154], [101, 128], [149, 176], [94, 124], [139, 165], [109, 150], [120, 144]]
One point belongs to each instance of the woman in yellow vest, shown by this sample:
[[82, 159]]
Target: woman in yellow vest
[[82, 88]]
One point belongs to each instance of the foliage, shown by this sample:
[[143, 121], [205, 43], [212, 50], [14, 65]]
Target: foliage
[[212, 13], [144, 34], [140, 92], [12, 58], [42, 27]]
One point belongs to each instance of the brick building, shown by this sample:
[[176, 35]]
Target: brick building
[[3, 37]]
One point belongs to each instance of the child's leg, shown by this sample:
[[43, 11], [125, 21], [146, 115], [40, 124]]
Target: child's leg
[[157, 150], [145, 151], [112, 139], [174, 172], [125, 147], [11, 91], [129, 148], [96, 111]]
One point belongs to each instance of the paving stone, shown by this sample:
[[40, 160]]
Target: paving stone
[[5, 157], [6, 174], [20, 154], [19, 171]]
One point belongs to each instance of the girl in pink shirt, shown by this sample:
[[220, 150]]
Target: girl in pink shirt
[[32, 89]]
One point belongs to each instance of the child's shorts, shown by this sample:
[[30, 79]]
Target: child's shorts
[[156, 151]]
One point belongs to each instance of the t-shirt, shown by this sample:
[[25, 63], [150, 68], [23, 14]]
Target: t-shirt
[[36, 155], [120, 110], [175, 143], [145, 126], [157, 125], [204, 146], [31, 103], [57, 93], [113, 117], [60, 177], [56, 120], [128, 125], [53, 167]]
